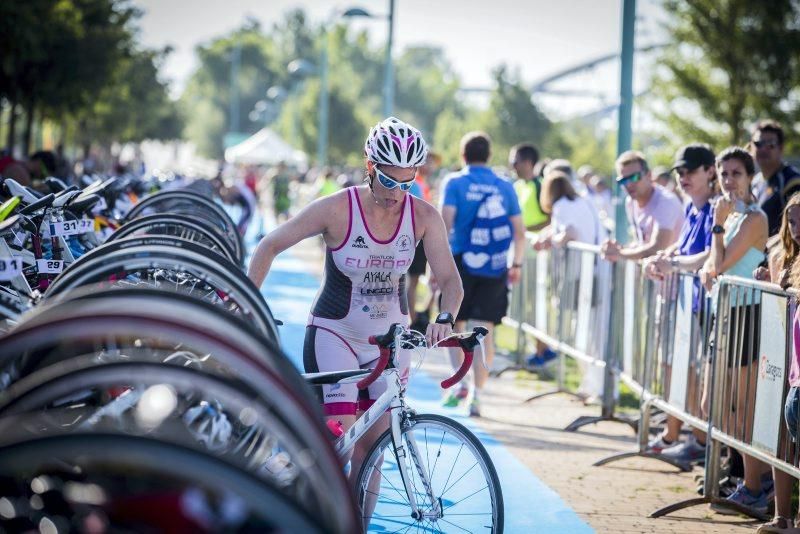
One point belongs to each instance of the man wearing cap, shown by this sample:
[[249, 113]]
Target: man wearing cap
[[655, 214], [777, 181]]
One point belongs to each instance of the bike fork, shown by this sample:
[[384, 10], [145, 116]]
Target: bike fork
[[400, 453]]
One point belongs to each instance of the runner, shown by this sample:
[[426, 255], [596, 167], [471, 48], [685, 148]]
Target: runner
[[370, 232]]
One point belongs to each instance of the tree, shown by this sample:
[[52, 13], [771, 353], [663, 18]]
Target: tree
[[426, 86], [134, 106], [206, 99], [60, 54], [730, 63], [512, 116]]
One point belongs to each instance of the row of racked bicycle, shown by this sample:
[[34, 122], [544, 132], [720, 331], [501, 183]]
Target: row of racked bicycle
[[142, 387]]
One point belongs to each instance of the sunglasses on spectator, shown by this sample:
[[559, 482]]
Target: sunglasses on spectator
[[390, 183], [765, 144], [630, 179]]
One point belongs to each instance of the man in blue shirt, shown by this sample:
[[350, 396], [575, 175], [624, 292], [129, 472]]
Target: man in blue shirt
[[485, 298]]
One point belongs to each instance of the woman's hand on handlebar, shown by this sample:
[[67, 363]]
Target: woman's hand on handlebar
[[437, 332]]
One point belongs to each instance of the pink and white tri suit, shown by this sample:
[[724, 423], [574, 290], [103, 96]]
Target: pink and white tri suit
[[362, 294]]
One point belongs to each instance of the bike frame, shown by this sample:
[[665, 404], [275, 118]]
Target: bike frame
[[392, 400]]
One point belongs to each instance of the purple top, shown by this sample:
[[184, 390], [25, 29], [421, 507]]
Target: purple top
[[794, 365]]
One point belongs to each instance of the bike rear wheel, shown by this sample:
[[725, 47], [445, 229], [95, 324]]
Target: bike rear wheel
[[453, 480]]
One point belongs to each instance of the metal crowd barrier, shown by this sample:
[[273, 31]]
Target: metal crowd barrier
[[665, 325], [589, 310], [564, 301], [750, 362]]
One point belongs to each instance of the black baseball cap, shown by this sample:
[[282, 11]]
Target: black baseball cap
[[693, 156]]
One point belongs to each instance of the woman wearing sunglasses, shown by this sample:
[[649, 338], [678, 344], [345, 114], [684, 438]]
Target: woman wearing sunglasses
[[371, 232]]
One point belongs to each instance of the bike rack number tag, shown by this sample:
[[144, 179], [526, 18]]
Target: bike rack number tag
[[67, 228], [10, 268], [49, 266]]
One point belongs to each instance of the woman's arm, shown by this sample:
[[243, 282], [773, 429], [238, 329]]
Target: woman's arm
[[752, 233], [443, 267], [312, 220]]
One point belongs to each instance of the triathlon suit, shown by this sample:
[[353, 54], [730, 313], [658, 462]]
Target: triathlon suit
[[362, 294]]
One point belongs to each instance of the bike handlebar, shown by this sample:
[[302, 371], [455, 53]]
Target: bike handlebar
[[467, 345], [386, 344]]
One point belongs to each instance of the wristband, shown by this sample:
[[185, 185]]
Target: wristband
[[516, 266]]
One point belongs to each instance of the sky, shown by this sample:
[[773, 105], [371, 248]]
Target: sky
[[539, 37]]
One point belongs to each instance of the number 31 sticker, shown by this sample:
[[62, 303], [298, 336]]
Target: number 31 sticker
[[10, 268], [49, 266]]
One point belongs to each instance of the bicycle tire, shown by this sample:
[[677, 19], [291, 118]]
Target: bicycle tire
[[117, 460], [175, 255], [320, 489], [166, 223], [391, 496], [191, 203], [213, 330]]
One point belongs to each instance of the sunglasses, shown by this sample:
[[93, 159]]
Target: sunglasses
[[765, 144], [630, 179], [390, 183]]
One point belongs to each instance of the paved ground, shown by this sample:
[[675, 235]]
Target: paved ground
[[614, 498]]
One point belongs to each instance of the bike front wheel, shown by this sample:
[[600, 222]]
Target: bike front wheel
[[449, 472]]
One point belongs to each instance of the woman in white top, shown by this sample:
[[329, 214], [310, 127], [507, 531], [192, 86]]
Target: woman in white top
[[572, 217]]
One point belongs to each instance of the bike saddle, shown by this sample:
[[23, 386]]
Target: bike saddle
[[9, 224], [37, 204], [82, 203], [64, 199], [16, 189], [56, 185]]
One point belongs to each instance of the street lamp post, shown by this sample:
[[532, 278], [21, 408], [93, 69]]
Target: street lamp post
[[625, 108], [388, 78]]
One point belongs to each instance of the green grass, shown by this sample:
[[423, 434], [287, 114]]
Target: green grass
[[506, 340]]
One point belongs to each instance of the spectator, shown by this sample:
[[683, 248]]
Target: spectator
[[573, 217], [485, 297], [777, 180], [694, 165], [523, 159], [585, 175], [655, 214], [784, 270], [663, 177], [16, 170], [739, 236], [787, 248], [602, 197], [326, 184]]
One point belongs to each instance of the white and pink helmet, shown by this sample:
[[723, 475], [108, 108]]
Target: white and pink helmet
[[393, 142]]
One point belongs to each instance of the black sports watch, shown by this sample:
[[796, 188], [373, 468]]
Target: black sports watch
[[446, 318], [717, 229]]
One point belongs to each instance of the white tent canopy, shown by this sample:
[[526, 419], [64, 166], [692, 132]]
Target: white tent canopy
[[265, 147]]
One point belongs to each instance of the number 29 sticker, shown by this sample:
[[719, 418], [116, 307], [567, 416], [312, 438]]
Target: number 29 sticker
[[49, 266]]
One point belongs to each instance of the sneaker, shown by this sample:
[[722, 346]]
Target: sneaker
[[779, 525], [474, 408], [742, 495], [657, 444], [537, 361], [455, 397], [687, 452], [768, 486]]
